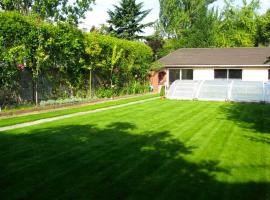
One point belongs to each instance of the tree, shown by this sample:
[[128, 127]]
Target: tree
[[238, 26], [126, 20], [179, 16], [156, 42], [202, 33], [263, 32], [92, 57], [57, 10], [116, 56], [187, 24]]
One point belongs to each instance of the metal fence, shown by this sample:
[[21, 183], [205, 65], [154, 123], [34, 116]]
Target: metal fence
[[220, 90]]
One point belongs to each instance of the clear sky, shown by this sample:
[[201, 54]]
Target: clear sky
[[99, 14]]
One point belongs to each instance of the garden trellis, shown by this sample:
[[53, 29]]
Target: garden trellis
[[220, 90]]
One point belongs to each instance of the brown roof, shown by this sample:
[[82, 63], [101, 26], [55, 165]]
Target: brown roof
[[217, 56]]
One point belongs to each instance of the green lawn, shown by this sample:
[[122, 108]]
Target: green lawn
[[32, 117], [155, 150]]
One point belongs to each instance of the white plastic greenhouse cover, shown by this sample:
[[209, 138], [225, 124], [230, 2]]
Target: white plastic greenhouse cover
[[220, 90]]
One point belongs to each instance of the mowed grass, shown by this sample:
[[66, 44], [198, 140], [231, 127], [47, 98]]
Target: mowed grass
[[43, 115], [155, 150]]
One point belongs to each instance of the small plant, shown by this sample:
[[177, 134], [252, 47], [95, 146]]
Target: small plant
[[64, 101], [106, 93], [162, 92]]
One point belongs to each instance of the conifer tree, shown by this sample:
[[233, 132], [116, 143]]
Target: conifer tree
[[126, 20]]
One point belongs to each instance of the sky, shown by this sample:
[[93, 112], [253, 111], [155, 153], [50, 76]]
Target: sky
[[99, 13]]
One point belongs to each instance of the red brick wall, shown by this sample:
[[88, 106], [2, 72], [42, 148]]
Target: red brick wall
[[157, 79]]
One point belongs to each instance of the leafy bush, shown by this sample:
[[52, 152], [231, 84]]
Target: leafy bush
[[105, 93], [162, 91]]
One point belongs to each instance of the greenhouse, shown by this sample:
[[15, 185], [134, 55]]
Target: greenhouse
[[220, 90]]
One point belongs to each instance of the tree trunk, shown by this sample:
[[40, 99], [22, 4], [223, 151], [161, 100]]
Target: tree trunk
[[111, 77], [36, 92], [90, 83]]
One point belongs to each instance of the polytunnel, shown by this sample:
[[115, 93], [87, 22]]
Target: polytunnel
[[220, 90]]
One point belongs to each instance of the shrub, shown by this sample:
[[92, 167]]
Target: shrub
[[105, 93], [162, 91]]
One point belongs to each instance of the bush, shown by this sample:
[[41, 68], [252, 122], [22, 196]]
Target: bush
[[162, 91], [105, 93]]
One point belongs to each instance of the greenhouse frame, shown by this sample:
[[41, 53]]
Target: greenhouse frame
[[220, 90]]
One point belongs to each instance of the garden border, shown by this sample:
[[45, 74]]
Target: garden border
[[41, 121]]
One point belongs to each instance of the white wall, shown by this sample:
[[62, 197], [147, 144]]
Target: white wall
[[249, 74], [255, 75], [203, 74], [252, 74]]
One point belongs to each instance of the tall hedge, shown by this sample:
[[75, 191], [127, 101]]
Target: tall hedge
[[60, 55], [134, 61]]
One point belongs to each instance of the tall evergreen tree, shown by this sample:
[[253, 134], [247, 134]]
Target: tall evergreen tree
[[126, 20]]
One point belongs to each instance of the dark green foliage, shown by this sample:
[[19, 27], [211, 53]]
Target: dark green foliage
[[126, 20], [156, 42], [58, 10], [130, 89]]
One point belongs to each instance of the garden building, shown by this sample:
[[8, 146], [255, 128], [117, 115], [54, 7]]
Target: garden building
[[246, 64], [219, 74]]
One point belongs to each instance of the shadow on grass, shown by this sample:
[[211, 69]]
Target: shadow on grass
[[252, 116], [114, 162]]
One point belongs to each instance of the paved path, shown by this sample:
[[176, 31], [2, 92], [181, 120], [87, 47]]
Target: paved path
[[41, 121]]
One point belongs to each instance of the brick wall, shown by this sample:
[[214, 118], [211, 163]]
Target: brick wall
[[157, 79]]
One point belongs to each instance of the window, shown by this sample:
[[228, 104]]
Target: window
[[174, 74], [187, 74], [221, 73], [228, 73], [235, 73], [180, 74]]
